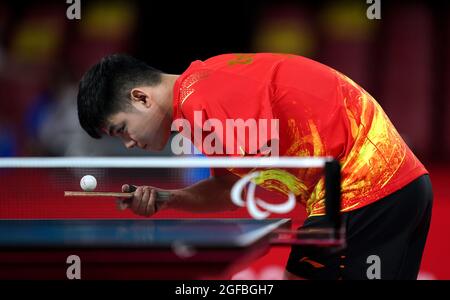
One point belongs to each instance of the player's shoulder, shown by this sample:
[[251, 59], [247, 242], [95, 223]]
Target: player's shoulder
[[234, 66], [236, 59], [230, 60], [247, 62]]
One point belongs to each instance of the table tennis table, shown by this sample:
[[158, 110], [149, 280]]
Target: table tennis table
[[133, 248]]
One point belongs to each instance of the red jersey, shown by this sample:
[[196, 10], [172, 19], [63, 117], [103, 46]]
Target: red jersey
[[320, 112]]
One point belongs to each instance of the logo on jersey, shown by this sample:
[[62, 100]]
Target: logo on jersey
[[258, 208]]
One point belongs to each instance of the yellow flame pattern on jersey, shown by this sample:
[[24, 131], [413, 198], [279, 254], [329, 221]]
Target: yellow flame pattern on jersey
[[377, 153]]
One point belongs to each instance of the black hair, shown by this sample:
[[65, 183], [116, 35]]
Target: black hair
[[105, 89]]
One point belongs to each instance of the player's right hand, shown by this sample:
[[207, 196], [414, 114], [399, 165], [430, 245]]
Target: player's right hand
[[143, 202]]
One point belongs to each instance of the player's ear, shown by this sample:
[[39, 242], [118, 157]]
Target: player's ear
[[139, 95]]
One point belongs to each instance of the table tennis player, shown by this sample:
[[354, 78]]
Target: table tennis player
[[386, 190]]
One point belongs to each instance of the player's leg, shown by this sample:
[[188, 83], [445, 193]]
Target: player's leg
[[386, 229], [391, 231], [413, 257], [312, 262]]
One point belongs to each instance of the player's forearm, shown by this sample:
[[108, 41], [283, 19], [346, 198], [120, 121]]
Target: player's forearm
[[209, 195]]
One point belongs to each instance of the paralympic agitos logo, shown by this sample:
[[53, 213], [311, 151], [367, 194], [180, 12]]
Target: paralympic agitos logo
[[258, 208]]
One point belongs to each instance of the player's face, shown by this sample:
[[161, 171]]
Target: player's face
[[146, 125]]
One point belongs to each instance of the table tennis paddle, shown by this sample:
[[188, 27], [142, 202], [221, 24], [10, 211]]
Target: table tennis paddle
[[161, 195], [123, 203]]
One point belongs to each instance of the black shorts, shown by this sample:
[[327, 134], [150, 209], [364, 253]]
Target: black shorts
[[393, 230]]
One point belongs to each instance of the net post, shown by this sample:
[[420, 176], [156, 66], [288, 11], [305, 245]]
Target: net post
[[333, 195]]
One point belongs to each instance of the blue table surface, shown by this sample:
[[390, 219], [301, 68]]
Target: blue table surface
[[136, 233]]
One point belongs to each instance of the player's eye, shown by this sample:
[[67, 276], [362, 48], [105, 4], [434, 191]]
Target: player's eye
[[121, 130]]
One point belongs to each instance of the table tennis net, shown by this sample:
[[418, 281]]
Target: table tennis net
[[34, 188]]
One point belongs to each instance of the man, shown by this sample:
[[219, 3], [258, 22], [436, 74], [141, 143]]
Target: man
[[386, 192]]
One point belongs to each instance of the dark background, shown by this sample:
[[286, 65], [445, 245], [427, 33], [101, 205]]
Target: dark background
[[402, 59]]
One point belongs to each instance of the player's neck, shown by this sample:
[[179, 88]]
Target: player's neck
[[168, 81]]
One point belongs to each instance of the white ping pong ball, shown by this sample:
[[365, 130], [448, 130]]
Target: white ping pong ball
[[88, 183]]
